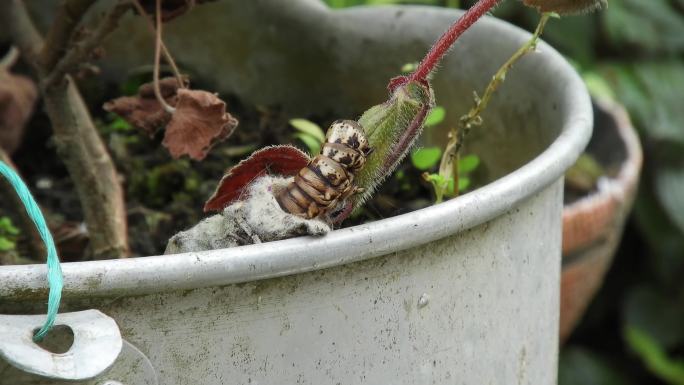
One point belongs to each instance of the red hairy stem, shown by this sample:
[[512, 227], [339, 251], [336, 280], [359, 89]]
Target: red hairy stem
[[442, 45]]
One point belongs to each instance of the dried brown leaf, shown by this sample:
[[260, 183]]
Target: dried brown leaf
[[18, 96], [144, 111], [566, 7], [200, 121]]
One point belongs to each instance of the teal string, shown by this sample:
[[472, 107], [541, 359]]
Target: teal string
[[54, 270]]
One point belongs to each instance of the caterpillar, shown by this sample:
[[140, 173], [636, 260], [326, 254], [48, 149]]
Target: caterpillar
[[328, 179]]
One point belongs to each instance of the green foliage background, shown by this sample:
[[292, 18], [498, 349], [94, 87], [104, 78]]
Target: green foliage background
[[633, 51]]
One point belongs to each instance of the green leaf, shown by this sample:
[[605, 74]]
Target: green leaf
[[310, 142], [436, 179], [654, 357], [468, 164], [463, 183], [426, 158], [310, 128], [450, 191], [119, 124], [657, 314], [6, 244], [579, 366], [652, 93], [651, 26], [669, 184], [385, 125], [7, 227], [409, 67], [435, 117], [585, 173], [598, 86]]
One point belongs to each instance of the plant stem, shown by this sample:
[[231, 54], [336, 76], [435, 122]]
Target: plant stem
[[9, 59], [474, 115], [80, 50], [164, 49], [68, 16], [78, 143], [448, 167], [442, 45], [157, 57]]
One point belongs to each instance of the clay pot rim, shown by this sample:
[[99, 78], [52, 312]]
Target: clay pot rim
[[613, 191]]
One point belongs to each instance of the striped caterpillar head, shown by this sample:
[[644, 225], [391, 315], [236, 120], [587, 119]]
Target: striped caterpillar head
[[346, 143]]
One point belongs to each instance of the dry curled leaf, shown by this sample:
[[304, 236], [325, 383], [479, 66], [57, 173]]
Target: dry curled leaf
[[566, 7], [281, 160], [199, 122], [144, 110], [18, 96]]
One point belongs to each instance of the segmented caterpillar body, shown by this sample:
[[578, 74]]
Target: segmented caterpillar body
[[328, 179]]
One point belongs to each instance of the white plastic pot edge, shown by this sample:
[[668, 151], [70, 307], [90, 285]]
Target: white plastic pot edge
[[274, 259]]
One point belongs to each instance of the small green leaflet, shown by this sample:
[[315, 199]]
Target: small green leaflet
[[468, 164], [435, 117], [308, 127], [426, 158]]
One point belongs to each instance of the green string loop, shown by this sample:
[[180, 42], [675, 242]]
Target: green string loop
[[54, 270]]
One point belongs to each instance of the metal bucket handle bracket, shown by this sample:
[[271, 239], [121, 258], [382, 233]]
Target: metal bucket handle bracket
[[97, 344]]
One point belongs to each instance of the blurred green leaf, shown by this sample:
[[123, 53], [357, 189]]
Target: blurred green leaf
[[311, 143], [7, 227], [598, 86], [435, 117], [652, 92], [669, 184], [463, 183], [119, 124], [6, 244], [580, 366], [426, 158], [654, 357], [584, 174], [310, 128], [656, 314], [468, 164], [650, 25], [573, 36], [409, 67]]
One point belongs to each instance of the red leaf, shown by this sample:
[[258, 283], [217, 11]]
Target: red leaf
[[200, 121], [280, 160]]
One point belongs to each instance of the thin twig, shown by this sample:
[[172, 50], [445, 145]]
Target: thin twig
[[80, 50], [473, 118], [14, 17], [157, 57], [165, 51], [68, 16], [448, 167], [9, 59]]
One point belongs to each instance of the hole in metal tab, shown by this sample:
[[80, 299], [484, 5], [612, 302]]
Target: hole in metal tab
[[58, 340]]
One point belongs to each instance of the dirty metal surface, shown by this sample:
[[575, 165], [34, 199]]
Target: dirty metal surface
[[480, 306]]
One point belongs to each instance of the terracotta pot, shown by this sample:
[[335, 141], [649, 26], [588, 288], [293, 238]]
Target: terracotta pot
[[592, 225]]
